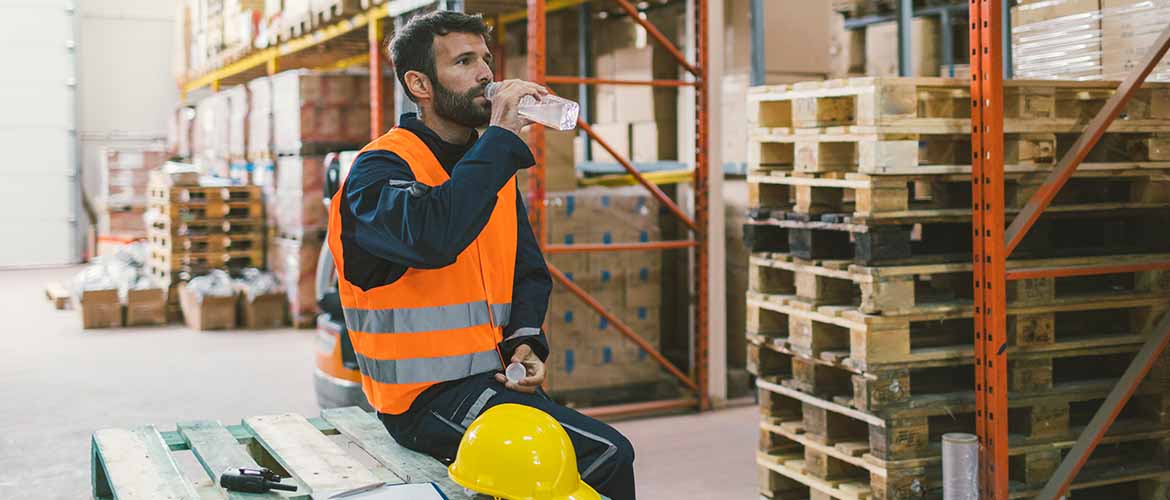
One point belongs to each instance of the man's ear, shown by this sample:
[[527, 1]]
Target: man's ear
[[418, 84]]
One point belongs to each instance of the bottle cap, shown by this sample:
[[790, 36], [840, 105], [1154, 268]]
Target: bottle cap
[[515, 372]]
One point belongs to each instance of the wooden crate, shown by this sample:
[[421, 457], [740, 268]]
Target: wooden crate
[[141, 462]]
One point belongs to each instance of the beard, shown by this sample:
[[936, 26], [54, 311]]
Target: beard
[[461, 108]]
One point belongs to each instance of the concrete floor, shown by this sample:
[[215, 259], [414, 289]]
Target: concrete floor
[[58, 384]]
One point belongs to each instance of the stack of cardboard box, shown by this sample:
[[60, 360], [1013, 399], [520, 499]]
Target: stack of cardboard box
[[1129, 28], [210, 136], [237, 98], [241, 20], [125, 173], [587, 350], [639, 122], [311, 114], [1057, 39]]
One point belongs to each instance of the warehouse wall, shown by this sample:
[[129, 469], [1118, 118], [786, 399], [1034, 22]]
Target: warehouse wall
[[127, 87]]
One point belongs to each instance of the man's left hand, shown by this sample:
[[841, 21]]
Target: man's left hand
[[533, 367]]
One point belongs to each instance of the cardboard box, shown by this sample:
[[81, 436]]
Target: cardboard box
[[654, 141], [560, 167], [1037, 12], [294, 262], [207, 313], [263, 311], [300, 184], [617, 135], [846, 49], [643, 280], [800, 46], [146, 307], [1129, 28], [881, 48], [100, 309]]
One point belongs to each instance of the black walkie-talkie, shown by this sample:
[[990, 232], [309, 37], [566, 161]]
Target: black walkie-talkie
[[252, 481]]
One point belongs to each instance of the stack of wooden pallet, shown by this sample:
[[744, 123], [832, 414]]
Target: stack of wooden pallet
[[860, 299], [200, 228]]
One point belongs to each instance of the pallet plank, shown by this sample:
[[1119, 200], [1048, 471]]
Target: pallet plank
[[132, 464], [307, 454], [370, 435], [217, 450]]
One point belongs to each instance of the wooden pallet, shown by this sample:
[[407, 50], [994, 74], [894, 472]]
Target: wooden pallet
[[844, 335], [165, 242], [947, 237], [913, 432], [940, 105], [197, 195], [864, 198], [901, 288], [58, 295], [142, 462], [846, 469], [879, 152], [213, 259], [211, 211], [326, 12], [208, 226], [881, 388]]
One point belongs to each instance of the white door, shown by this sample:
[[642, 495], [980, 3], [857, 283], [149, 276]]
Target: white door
[[38, 140]]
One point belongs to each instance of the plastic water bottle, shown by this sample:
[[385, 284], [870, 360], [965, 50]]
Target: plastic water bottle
[[551, 111]]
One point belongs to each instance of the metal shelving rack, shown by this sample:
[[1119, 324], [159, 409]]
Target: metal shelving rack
[[359, 40], [993, 244], [696, 380]]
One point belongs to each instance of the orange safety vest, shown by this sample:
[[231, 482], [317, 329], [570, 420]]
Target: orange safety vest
[[431, 325]]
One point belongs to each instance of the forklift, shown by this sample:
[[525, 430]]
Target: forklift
[[336, 379]]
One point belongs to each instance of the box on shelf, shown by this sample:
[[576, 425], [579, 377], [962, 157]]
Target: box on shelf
[[846, 50], [208, 312], [100, 309], [810, 22], [259, 121], [300, 184], [238, 105], [652, 141], [1129, 28], [881, 48], [560, 166], [146, 307], [617, 136], [1057, 40]]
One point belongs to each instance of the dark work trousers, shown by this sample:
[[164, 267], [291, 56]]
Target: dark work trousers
[[605, 458]]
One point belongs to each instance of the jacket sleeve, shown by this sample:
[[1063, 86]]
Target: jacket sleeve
[[409, 223], [530, 291]]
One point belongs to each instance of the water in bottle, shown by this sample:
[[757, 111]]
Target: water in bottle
[[551, 111]]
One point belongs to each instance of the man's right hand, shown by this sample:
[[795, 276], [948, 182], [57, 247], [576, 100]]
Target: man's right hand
[[506, 101]]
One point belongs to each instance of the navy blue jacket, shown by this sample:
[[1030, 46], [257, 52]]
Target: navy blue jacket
[[391, 222]]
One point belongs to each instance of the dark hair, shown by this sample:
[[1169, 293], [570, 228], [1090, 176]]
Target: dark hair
[[413, 46]]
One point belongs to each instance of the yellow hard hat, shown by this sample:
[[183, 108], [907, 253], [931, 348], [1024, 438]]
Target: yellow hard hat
[[517, 452]]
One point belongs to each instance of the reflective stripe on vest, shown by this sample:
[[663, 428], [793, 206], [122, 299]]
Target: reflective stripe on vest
[[425, 319], [420, 370]]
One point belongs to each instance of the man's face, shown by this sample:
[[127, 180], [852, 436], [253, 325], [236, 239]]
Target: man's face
[[463, 67]]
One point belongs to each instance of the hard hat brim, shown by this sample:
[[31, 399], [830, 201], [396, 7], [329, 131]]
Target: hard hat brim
[[583, 491]]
